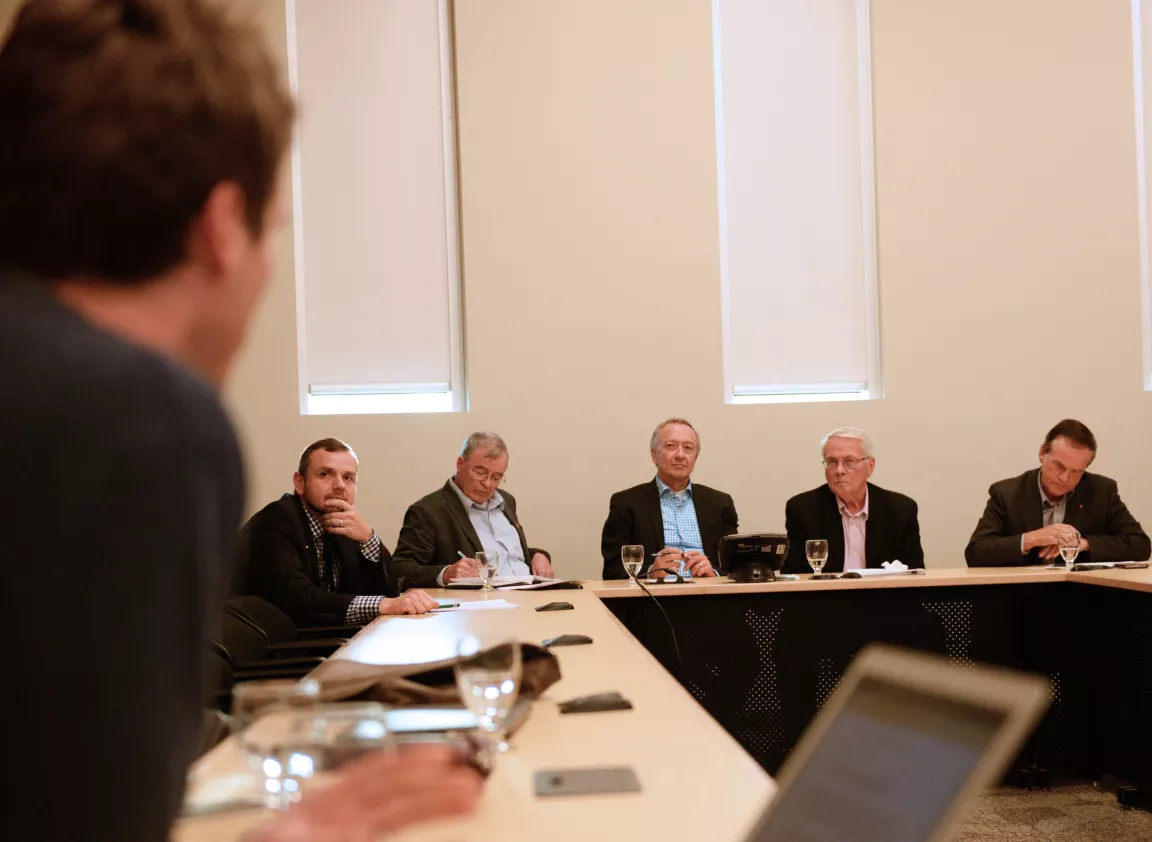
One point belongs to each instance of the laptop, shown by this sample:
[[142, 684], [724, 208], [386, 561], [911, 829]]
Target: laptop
[[901, 750]]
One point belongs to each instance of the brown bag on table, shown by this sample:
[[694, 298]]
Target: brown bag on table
[[431, 683]]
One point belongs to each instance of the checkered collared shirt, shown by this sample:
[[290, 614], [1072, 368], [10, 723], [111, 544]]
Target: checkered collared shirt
[[363, 609], [681, 529]]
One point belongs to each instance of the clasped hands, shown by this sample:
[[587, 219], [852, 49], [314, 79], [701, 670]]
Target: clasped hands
[[668, 561], [1049, 538]]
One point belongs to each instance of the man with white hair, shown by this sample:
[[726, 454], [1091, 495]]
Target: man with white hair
[[864, 525], [444, 530]]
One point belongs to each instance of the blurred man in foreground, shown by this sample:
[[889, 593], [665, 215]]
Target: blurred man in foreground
[[140, 146]]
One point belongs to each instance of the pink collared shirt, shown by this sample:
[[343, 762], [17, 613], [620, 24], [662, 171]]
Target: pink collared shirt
[[854, 558]]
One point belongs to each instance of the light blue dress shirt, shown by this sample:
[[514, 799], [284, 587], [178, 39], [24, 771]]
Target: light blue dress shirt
[[681, 529], [496, 533]]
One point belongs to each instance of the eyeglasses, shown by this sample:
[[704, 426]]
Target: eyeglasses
[[849, 462], [482, 475]]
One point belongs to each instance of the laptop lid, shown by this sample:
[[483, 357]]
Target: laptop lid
[[901, 748]]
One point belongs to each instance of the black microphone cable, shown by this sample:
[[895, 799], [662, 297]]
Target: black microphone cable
[[671, 628]]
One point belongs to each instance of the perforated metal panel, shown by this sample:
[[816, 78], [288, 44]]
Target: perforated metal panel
[[957, 619], [760, 723]]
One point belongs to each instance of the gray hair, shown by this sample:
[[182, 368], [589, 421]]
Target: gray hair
[[489, 441], [848, 433], [655, 443]]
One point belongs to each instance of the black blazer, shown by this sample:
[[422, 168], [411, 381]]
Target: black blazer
[[1095, 509], [435, 528], [277, 557], [891, 532], [634, 517]]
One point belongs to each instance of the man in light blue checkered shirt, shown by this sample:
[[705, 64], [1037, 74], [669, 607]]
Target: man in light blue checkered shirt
[[678, 523]]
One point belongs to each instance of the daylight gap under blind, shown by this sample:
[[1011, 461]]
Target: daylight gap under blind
[[378, 293], [793, 98]]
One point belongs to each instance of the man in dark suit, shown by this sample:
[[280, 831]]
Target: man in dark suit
[[1029, 517], [313, 556], [678, 522], [864, 524], [443, 531], [140, 146]]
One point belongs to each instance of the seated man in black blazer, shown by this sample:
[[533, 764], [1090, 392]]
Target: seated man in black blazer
[[1028, 516], [443, 531], [313, 556], [678, 522], [864, 524]]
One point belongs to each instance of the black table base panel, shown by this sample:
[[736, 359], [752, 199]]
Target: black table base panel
[[764, 663]]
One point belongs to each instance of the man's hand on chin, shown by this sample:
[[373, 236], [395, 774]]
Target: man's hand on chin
[[341, 518]]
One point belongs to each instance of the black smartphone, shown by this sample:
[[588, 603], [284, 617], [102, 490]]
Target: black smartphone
[[555, 606], [548, 782], [595, 703]]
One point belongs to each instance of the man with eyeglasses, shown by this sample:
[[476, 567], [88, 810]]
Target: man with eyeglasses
[[678, 522], [1028, 517], [444, 530], [865, 525]]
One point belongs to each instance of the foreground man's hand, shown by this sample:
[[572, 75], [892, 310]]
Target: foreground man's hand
[[380, 794]]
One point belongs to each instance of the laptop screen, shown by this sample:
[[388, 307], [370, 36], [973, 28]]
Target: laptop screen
[[887, 769]]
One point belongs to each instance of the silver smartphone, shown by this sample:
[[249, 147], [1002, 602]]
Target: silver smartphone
[[585, 781]]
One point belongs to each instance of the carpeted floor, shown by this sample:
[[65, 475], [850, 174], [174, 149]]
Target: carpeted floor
[[1065, 814]]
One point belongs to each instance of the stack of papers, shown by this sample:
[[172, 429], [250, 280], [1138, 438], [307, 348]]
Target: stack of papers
[[512, 583]]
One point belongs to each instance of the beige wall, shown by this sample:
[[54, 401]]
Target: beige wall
[[1006, 190]]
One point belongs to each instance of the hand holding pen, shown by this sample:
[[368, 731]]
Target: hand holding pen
[[465, 568]]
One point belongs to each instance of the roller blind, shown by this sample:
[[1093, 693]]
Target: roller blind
[[794, 146], [376, 226]]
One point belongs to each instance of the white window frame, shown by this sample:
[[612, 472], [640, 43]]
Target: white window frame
[[364, 399], [1142, 190], [872, 389]]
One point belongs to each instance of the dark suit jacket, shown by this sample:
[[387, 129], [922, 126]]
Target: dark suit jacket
[[435, 528], [891, 532], [1095, 509], [634, 517], [278, 557]]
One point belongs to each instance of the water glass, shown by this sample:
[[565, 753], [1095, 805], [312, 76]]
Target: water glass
[[1069, 549], [816, 551], [252, 699], [288, 746], [633, 557], [488, 563], [488, 678]]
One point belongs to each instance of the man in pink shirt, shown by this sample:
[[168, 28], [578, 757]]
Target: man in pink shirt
[[864, 525]]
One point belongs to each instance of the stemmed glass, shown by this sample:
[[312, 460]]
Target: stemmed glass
[[252, 699], [816, 551], [1069, 548], [488, 563], [633, 557], [287, 746], [488, 679]]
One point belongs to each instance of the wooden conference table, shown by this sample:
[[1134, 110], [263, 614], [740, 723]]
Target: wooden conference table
[[680, 754], [761, 659]]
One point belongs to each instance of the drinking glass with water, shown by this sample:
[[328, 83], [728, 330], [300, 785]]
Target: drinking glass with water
[[488, 563], [488, 678], [633, 557]]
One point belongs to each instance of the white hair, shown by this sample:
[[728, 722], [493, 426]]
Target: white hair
[[848, 433], [489, 441]]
